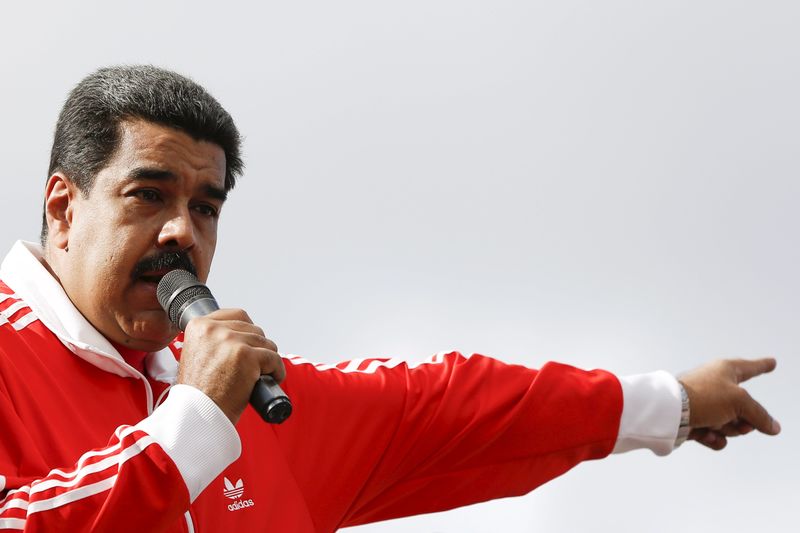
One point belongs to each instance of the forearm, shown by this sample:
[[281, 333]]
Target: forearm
[[651, 413], [144, 480]]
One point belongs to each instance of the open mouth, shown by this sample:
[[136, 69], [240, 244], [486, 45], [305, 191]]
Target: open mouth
[[149, 270], [153, 277]]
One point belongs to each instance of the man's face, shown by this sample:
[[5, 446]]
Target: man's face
[[161, 192]]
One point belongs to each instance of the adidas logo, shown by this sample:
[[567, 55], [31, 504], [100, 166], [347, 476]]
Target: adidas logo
[[235, 491]]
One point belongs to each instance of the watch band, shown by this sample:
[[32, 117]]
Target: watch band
[[684, 428]]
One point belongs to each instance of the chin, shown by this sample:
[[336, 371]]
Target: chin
[[148, 345], [150, 335]]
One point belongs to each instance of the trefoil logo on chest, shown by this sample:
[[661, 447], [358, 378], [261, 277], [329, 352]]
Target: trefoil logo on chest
[[235, 491]]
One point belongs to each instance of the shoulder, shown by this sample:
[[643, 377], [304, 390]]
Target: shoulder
[[15, 314]]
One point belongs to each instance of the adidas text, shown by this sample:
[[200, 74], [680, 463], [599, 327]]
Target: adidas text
[[241, 504]]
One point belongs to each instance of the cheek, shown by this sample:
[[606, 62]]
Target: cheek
[[100, 276], [207, 244], [106, 256]]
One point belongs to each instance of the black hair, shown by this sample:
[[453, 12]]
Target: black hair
[[89, 125]]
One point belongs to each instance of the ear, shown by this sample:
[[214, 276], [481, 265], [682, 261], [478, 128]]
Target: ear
[[59, 197]]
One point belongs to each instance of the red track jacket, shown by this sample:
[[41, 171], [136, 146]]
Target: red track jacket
[[90, 444]]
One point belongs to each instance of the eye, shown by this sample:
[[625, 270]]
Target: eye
[[207, 210], [148, 195]]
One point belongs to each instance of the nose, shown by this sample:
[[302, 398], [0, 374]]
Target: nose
[[177, 231]]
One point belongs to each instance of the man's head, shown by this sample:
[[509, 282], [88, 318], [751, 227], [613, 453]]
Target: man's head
[[142, 161], [88, 128]]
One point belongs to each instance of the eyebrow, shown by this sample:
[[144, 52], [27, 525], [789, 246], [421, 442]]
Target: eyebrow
[[148, 173], [158, 174]]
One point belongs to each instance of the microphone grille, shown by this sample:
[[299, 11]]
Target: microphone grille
[[177, 288]]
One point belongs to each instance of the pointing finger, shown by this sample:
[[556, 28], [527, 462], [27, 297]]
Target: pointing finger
[[750, 368]]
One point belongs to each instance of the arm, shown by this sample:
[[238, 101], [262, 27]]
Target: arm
[[148, 474], [394, 439], [390, 439], [143, 480]]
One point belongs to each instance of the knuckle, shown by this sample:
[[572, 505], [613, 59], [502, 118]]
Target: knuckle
[[741, 402], [240, 350], [275, 362], [719, 366], [742, 396], [271, 360], [242, 315], [226, 335]]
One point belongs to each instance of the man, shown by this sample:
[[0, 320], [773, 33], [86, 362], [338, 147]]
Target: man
[[104, 430]]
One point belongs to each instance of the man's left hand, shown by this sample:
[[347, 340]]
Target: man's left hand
[[720, 408]]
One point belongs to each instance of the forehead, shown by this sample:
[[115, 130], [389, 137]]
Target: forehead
[[145, 144]]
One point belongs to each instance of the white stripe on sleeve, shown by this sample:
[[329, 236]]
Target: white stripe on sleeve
[[72, 496]]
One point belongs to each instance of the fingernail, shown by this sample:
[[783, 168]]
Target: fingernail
[[776, 426]]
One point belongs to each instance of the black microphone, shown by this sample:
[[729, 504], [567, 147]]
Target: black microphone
[[184, 297]]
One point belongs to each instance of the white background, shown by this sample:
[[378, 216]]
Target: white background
[[609, 184]]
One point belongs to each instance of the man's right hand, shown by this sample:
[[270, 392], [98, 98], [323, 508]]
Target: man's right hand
[[720, 408], [223, 355]]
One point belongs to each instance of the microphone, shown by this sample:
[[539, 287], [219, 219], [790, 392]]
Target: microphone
[[184, 297]]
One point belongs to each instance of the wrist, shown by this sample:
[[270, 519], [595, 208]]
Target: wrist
[[684, 428]]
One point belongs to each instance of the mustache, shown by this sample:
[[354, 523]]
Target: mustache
[[164, 261]]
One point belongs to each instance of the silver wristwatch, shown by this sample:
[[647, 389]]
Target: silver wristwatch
[[684, 428]]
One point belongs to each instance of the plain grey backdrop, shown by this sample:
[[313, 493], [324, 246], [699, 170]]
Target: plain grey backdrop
[[608, 184]]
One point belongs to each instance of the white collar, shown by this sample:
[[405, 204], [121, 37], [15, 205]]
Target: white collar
[[24, 272]]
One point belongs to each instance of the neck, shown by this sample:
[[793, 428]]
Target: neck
[[48, 261], [133, 357]]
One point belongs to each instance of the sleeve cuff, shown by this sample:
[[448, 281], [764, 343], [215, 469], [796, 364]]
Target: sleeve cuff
[[196, 434], [651, 413]]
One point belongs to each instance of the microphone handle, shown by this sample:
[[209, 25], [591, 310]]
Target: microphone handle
[[267, 398]]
